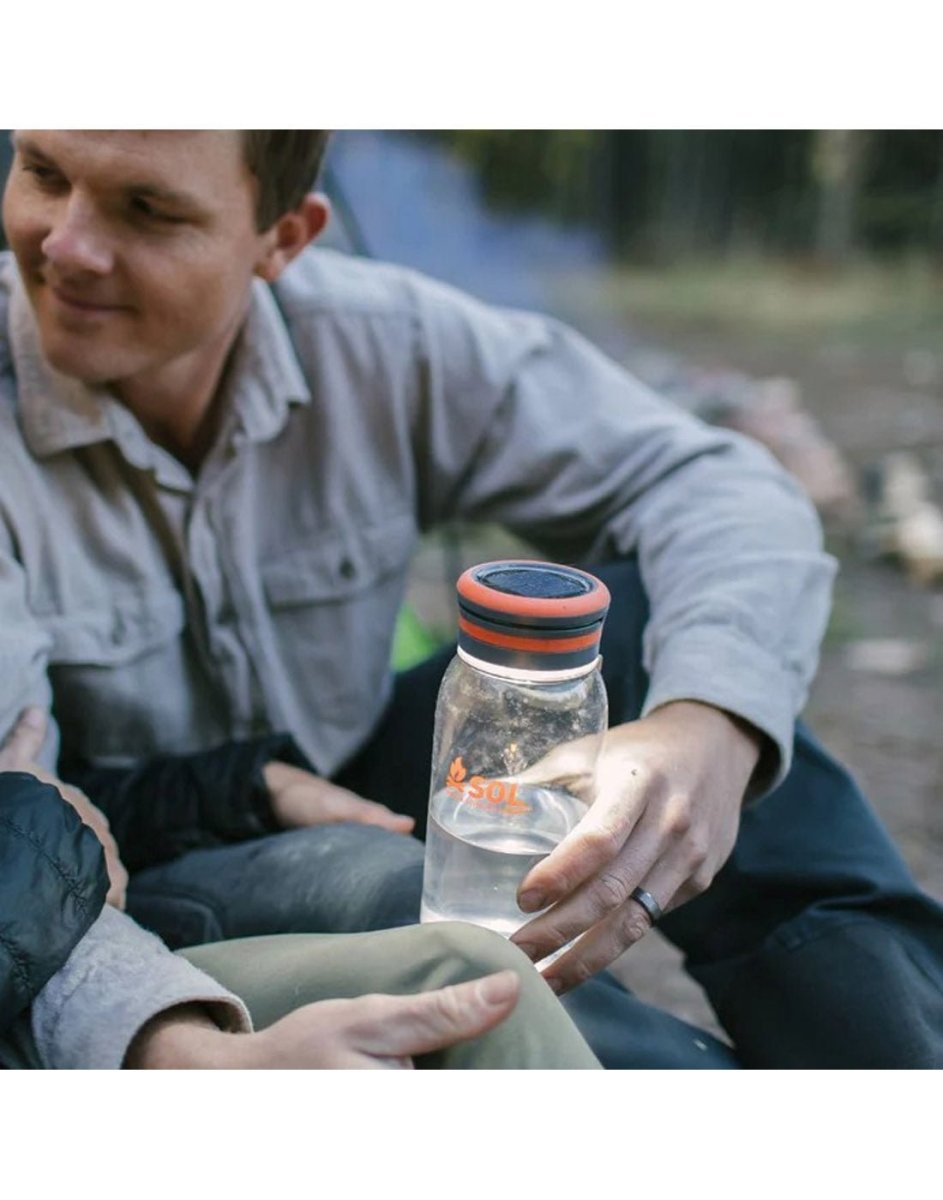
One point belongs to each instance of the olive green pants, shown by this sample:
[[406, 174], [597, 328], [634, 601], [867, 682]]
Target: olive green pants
[[276, 974]]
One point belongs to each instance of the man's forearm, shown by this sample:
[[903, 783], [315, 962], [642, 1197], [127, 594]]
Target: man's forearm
[[181, 1038]]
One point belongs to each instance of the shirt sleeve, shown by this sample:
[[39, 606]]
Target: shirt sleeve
[[117, 978], [525, 423], [24, 656]]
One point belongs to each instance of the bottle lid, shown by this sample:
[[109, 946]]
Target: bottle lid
[[531, 615]]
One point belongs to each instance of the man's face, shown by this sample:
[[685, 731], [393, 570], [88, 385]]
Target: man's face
[[137, 249]]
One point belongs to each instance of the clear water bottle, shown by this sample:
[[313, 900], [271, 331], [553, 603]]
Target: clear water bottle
[[519, 722]]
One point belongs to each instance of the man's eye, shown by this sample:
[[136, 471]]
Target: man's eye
[[145, 209], [46, 177]]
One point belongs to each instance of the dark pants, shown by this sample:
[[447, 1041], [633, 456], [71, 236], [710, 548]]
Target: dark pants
[[813, 944]]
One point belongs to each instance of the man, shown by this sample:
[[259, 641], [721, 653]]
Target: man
[[219, 448], [103, 993]]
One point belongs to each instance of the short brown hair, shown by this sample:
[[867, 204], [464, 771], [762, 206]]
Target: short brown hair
[[286, 164]]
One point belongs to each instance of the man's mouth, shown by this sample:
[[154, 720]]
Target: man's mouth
[[77, 302]]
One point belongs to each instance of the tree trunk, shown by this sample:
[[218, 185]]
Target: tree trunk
[[838, 160], [936, 204]]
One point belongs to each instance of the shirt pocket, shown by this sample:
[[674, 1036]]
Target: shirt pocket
[[334, 567], [333, 604], [118, 632], [119, 673]]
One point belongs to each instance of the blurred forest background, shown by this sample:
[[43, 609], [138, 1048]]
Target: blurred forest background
[[661, 195]]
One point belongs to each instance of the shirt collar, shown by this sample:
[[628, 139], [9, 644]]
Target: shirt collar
[[264, 376], [59, 413]]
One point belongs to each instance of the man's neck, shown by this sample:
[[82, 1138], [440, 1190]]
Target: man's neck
[[179, 406]]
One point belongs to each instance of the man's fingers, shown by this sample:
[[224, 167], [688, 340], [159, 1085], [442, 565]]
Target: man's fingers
[[594, 900], [602, 909], [300, 799], [338, 804], [370, 812], [567, 762], [116, 895], [24, 741], [611, 937], [420, 1024], [596, 841], [97, 822]]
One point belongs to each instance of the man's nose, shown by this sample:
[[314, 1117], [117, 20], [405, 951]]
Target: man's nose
[[77, 241]]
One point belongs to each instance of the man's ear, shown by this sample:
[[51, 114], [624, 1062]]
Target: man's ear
[[291, 233]]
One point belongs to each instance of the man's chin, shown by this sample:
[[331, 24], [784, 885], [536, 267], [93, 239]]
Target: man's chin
[[83, 363]]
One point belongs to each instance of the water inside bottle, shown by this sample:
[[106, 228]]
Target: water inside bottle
[[476, 858]]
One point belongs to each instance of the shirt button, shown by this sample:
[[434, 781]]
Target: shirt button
[[347, 569]]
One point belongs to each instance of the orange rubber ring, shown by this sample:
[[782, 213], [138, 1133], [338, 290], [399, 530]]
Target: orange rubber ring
[[595, 601], [543, 645]]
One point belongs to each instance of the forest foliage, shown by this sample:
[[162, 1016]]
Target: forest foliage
[[666, 194]]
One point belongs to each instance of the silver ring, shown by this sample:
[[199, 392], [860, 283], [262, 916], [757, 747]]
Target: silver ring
[[649, 903]]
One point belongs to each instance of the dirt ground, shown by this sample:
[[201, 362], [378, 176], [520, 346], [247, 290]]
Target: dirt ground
[[879, 712], [881, 719], [877, 709]]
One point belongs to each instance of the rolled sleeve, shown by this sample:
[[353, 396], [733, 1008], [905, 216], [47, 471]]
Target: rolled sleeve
[[731, 673], [557, 442], [117, 978]]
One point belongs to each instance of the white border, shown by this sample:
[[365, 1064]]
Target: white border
[[529, 675], [490, 64]]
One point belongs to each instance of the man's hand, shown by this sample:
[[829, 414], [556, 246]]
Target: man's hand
[[19, 753], [669, 790], [299, 798], [369, 1032], [24, 743]]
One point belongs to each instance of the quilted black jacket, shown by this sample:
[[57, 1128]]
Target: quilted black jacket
[[52, 887]]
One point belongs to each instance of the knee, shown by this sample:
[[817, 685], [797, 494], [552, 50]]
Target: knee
[[481, 950], [179, 920]]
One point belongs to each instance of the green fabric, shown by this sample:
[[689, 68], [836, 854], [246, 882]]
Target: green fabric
[[277, 974], [412, 642]]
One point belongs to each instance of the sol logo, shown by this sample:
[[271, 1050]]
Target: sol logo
[[498, 794]]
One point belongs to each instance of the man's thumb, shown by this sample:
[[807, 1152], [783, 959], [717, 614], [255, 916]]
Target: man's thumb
[[434, 1020], [25, 740]]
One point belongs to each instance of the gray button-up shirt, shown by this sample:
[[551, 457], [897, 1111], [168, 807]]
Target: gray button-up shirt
[[364, 404]]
